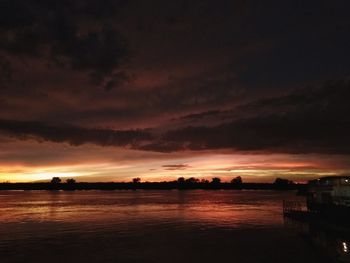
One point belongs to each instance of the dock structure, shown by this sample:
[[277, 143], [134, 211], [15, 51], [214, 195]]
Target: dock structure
[[326, 197], [295, 209], [290, 206]]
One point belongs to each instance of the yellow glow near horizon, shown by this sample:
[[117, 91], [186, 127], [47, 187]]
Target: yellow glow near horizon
[[36, 175], [249, 167], [20, 173]]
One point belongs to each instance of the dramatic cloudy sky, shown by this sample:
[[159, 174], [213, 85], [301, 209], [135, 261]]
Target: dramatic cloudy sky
[[114, 89]]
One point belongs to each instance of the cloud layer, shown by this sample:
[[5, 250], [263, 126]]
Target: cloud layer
[[73, 34], [173, 78], [73, 135], [309, 120]]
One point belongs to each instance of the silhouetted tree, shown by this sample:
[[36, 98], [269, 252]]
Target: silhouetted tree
[[70, 181], [55, 180], [181, 180], [237, 180], [136, 180], [204, 181], [216, 180], [282, 182], [192, 180]]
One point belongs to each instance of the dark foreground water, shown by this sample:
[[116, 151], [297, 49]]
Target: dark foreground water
[[160, 226]]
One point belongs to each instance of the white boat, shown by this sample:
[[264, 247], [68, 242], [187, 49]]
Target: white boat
[[329, 194]]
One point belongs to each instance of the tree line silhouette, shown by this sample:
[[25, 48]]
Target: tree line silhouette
[[136, 183]]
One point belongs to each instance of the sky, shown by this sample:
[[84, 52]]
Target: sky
[[116, 89]]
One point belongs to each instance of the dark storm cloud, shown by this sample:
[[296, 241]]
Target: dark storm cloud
[[73, 34], [5, 69], [236, 49], [270, 43], [196, 59], [163, 146], [72, 135], [308, 39], [310, 120]]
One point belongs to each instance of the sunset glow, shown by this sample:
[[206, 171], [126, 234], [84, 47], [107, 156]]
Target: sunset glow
[[93, 163], [174, 131], [166, 95]]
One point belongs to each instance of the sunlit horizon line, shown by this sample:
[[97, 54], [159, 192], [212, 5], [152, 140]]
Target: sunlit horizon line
[[102, 171], [222, 166]]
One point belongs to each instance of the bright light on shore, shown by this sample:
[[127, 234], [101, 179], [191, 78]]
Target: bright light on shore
[[345, 247]]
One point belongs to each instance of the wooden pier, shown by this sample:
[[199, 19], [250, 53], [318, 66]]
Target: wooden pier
[[297, 209], [291, 206]]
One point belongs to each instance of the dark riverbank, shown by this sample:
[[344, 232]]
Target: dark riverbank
[[148, 185]]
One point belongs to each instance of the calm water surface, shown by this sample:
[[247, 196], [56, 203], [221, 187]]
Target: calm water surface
[[157, 226]]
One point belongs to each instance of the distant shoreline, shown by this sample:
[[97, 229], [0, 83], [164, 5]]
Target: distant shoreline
[[148, 186]]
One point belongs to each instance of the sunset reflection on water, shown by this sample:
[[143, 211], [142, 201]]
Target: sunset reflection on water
[[222, 208], [152, 226]]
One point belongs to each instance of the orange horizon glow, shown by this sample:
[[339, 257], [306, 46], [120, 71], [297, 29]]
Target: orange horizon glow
[[91, 167], [29, 161]]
